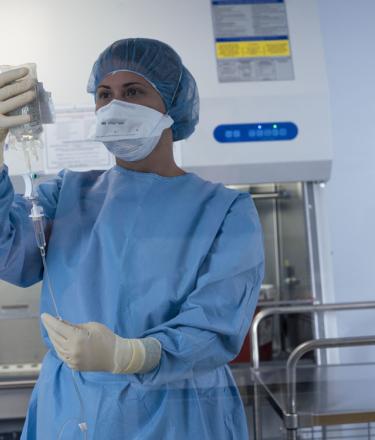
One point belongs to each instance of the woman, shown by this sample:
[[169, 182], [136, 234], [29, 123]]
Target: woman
[[156, 271]]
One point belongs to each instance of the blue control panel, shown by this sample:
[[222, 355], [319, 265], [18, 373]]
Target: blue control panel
[[259, 132]]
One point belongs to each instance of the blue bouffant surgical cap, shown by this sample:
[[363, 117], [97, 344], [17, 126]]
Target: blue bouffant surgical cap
[[160, 65]]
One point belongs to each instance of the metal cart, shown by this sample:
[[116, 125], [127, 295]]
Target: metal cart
[[308, 395]]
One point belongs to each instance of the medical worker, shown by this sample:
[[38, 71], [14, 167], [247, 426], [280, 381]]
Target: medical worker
[[156, 271]]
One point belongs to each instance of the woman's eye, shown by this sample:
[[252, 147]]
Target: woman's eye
[[103, 95], [132, 92]]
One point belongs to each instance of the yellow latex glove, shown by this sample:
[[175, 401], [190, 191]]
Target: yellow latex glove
[[14, 95], [94, 347]]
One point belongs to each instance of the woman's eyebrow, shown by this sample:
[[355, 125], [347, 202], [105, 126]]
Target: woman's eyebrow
[[123, 85], [132, 84]]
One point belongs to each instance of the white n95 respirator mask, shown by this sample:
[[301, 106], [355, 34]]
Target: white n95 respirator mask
[[130, 131]]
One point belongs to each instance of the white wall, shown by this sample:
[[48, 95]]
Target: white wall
[[65, 37], [348, 36]]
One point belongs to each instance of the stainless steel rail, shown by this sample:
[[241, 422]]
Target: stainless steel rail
[[288, 310], [283, 303], [16, 384], [273, 195]]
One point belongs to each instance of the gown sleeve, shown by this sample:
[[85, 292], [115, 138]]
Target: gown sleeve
[[20, 260], [212, 323]]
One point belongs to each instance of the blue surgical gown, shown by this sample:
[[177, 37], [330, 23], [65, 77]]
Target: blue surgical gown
[[176, 258]]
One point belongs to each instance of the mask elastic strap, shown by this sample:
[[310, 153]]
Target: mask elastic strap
[[176, 89]]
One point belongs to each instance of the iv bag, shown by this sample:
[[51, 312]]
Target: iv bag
[[27, 137]]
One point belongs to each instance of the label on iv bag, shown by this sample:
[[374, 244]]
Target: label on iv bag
[[252, 40], [67, 143]]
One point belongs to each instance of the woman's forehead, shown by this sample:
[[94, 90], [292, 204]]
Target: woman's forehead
[[118, 78]]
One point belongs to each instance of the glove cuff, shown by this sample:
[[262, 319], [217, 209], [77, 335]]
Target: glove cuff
[[153, 354], [136, 355]]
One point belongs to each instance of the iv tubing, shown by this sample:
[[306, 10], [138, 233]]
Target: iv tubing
[[52, 294], [37, 219], [82, 425]]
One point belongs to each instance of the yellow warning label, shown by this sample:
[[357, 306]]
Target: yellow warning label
[[253, 49]]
